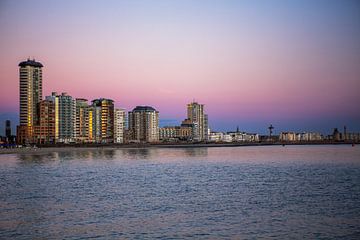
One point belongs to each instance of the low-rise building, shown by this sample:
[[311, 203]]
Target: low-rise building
[[310, 136], [175, 133], [288, 136], [244, 137], [352, 137], [216, 136], [233, 137]]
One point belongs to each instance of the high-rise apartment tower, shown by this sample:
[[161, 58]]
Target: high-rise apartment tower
[[197, 116], [144, 124], [101, 121], [30, 73]]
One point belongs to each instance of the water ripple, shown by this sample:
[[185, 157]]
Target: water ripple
[[224, 193]]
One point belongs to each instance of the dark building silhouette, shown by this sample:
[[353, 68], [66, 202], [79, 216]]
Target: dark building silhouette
[[336, 135], [8, 129]]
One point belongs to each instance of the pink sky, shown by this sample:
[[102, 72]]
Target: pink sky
[[246, 63]]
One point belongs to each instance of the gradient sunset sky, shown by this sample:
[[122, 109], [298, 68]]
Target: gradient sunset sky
[[295, 64]]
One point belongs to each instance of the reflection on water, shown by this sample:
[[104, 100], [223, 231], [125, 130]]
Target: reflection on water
[[106, 154], [155, 153], [137, 153], [196, 152], [37, 157], [111, 154], [201, 193]]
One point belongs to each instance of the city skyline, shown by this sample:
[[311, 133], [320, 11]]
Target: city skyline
[[247, 64]]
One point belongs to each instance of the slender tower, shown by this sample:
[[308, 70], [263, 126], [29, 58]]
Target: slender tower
[[30, 95], [195, 112]]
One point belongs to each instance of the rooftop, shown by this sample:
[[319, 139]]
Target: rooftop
[[29, 62], [144, 108]]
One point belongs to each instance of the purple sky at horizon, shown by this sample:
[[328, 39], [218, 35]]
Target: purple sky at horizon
[[295, 64]]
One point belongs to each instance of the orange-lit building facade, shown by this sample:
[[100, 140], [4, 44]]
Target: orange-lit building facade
[[30, 76], [82, 120], [101, 121], [44, 131]]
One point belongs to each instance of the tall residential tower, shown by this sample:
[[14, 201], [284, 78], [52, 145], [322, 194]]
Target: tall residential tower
[[82, 120], [65, 121], [197, 117], [101, 121], [30, 73], [119, 125], [144, 124]]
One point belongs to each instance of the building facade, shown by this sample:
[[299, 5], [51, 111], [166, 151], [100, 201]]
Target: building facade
[[175, 133], [65, 119], [82, 120], [310, 136], [30, 94], [119, 125], [287, 136], [101, 121], [144, 124], [44, 131], [197, 116]]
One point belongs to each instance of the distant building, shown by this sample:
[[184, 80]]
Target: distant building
[[65, 119], [44, 131], [196, 115], [101, 121], [350, 136], [30, 93], [82, 120], [244, 137], [336, 135], [144, 124], [309, 136], [175, 133], [216, 136], [8, 129], [353, 137], [220, 137], [287, 136], [233, 137], [188, 124], [119, 125]]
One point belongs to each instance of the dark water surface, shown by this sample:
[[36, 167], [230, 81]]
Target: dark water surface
[[200, 193]]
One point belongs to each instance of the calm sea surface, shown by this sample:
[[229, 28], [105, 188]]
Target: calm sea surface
[[291, 192]]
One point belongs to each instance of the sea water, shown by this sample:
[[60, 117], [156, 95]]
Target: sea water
[[175, 193]]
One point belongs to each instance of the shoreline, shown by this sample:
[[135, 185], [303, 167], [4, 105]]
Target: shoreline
[[76, 147]]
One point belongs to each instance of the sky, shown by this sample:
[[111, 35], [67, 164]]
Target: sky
[[293, 64]]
